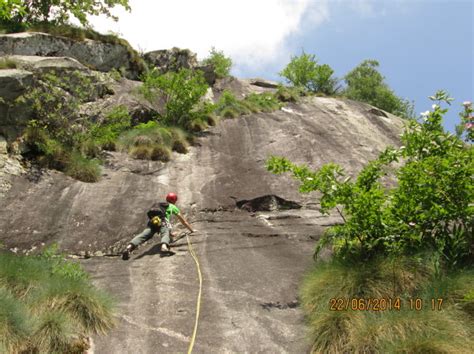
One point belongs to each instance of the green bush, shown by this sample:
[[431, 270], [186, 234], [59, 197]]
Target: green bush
[[144, 134], [58, 136], [152, 141], [106, 133], [305, 73], [49, 305], [263, 102], [288, 94], [55, 103], [229, 106], [182, 93], [82, 168], [220, 62], [366, 84], [429, 209]]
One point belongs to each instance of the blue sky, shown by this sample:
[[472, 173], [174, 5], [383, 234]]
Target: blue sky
[[421, 45]]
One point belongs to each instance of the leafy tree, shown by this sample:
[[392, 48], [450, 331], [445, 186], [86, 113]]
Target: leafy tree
[[11, 8], [304, 72], [221, 63], [467, 122], [366, 84], [58, 12], [182, 93], [430, 209]]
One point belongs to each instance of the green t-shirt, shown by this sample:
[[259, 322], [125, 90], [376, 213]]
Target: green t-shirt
[[172, 209]]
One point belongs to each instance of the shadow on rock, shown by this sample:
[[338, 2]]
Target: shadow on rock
[[156, 249], [267, 203]]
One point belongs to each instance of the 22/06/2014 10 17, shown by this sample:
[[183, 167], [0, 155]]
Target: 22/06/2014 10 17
[[383, 304]]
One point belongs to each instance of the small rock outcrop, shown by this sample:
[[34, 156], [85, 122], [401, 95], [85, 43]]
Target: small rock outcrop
[[28, 73], [242, 87], [263, 83], [175, 59], [171, 59], [13, 117], [96, 55]]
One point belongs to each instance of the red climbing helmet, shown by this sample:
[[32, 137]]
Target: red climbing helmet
[[171, 198]]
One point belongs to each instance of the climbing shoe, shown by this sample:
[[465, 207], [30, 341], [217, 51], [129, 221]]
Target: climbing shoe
[[165, 248], [126, 255], [128, 250]]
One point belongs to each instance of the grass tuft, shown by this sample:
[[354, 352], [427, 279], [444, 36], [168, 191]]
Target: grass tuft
[[229, 106], [15, 325], [48, 305], [289, 94], [160, 153], [449, 330], [7, 63], [82, 168]]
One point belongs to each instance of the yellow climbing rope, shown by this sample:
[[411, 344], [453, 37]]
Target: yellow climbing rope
[[198, 306]]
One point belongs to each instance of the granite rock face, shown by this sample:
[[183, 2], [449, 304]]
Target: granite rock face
[[230, 162], [13, 117], [256, 232]]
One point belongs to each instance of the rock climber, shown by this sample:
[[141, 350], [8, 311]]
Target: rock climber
[[159, 221]]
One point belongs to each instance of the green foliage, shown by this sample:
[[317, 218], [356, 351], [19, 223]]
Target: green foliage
[[182, 93], [48, 305], [429, 210], [366, 84], [220, 62], [56, 133], [10, 9], [14, 322], [304, 72], [288, 94], [58, 264], [82, 168], [153, 141], [263, 102], [466, 127], [55, 102], [105, 134], [7, 63], [360, 328], [229, 106], [26, 13]]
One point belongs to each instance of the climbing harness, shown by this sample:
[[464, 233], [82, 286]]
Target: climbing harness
[[198, 303]]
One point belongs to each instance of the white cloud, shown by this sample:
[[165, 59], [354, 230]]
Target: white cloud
[[253, 33]]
